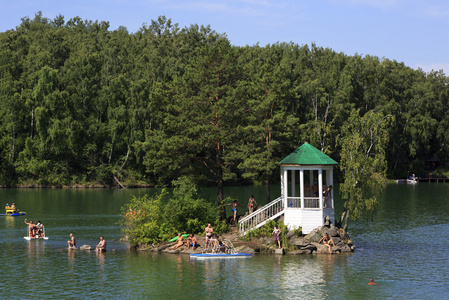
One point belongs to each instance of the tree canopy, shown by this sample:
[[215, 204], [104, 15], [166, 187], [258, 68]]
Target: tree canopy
[[85, 105]]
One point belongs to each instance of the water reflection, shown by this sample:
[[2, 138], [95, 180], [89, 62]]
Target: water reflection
[[391, 248]]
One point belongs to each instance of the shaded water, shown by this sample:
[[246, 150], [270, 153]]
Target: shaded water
[[404, 248]]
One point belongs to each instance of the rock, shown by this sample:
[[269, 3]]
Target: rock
[[299, 252], [279, 251], [290, 233], [327, 221], [297, 241], [308, 247], [244, 249], [86, 247], [337, 240]]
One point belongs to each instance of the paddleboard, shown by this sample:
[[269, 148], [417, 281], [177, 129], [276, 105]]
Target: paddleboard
[[39, 238], [219, 255]]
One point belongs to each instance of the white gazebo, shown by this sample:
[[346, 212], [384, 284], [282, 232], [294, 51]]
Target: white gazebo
[[306, 193], [306, 188]]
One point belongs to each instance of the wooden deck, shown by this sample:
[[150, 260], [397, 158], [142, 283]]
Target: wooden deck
[[437, 180]]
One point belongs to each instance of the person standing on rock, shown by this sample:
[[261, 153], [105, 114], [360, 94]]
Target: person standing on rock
[[234, 205], [276, 234], [209, 230], [71, 242], [251, 203]]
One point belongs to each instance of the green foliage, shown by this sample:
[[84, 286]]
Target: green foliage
[[80, 104], [267, 230], [148, 220], [186, 211], [363, 161], [143, 220]]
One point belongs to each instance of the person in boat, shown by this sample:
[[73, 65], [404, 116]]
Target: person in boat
[[101, 247], [31, 228], [327, 240], [71, 242], [179, 242], [251, 204], [209, 230], [276, 235], [39, 229], [13, 206], [192, 241], [234, 205]]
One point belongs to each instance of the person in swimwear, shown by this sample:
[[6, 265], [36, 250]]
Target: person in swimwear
[[276, 235], [192, 241], [326, 195], [209, 230], [71, 242], [179, 242], [327, 240], [31, 228], [101, 247], [371, 282], [234, 209], [251, 203], [39, 229]]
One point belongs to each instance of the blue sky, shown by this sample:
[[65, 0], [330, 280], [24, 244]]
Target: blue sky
[[409, 31]]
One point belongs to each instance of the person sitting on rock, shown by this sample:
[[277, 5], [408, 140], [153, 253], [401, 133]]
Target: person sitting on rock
[[192, 241], [101, 247], [327, 240], [72, 242], [179, 242]]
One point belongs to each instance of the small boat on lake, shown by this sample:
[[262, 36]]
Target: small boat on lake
[[219, 250], [12, 211], [38, 232]]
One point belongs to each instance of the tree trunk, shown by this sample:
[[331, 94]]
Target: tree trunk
[[267, 187], [346, 221], [220, 193]]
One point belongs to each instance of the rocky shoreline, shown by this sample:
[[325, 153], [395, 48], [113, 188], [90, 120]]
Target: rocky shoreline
[[303, 244]]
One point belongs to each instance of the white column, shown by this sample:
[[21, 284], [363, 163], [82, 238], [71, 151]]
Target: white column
[[301, 187], [320, 187], [331, 182], [293, 181], [282, 181], [285, 184]]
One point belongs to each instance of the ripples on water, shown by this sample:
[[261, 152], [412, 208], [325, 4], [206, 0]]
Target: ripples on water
[[404, 248]]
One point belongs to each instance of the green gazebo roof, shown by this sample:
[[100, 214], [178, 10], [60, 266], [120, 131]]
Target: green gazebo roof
[[308, 155]]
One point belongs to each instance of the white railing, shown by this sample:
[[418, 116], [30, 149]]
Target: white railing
[[258, 218], [309, 202]]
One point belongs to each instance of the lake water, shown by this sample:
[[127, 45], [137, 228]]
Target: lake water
[[403, 248]]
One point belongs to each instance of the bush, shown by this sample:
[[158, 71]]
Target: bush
[[147, 220], [143, 220]]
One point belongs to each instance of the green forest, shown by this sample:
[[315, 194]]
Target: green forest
[[82, 105]]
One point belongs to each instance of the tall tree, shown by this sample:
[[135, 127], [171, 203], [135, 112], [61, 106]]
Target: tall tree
[[363, 141]]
